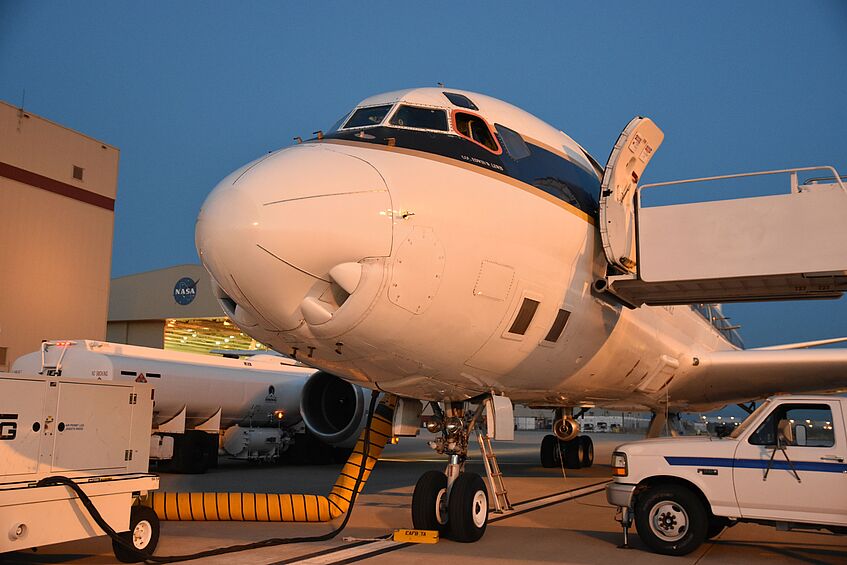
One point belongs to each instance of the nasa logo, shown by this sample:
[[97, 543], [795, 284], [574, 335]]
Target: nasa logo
[[185, 290]]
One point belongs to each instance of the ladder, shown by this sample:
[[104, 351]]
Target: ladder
[[495, 477]]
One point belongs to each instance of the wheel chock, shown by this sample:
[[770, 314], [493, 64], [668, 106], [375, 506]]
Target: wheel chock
[[416, 536]]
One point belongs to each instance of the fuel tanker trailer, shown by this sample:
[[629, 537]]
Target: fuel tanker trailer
[[260, 408]]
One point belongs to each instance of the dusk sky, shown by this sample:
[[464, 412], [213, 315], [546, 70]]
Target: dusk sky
[[189, 91]]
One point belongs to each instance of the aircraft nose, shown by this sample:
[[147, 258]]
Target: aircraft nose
[[271, 233]]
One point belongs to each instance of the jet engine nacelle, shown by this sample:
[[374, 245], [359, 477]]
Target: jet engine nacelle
[[566, 428], [332, 409]]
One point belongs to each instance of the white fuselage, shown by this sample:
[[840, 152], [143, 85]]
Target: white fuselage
[[437, 255]]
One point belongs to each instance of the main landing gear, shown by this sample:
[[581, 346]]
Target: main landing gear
[[565, 447], [454, 502]]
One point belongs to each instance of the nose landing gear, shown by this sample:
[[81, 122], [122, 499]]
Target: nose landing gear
[[455, 502]]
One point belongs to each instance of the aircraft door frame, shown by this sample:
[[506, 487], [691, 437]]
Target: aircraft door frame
[[633, 150]]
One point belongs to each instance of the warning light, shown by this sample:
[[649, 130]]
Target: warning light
[[279, 414]]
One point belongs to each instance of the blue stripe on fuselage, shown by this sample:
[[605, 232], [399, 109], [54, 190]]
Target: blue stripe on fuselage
[[813, 466]]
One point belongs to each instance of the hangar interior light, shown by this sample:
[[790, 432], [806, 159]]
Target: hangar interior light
[[202, 335]]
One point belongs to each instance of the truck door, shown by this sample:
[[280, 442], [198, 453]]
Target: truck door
[[818, 454]]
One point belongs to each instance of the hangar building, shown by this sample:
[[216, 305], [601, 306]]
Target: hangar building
[[172, 308], [57, 202]]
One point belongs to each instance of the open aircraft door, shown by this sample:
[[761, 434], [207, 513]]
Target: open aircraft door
[[776, 247]]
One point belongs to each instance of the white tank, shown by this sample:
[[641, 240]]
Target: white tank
[[254, 392]]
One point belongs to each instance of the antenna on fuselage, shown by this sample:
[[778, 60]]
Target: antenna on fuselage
[[440, 84]]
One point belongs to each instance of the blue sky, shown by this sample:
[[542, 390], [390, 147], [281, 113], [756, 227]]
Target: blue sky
[[191, 90]]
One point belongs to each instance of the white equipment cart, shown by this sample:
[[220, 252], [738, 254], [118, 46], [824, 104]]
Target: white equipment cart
[[96, 433]]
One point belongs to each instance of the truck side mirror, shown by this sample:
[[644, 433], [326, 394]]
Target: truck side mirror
[[784, 434], [800, 434]]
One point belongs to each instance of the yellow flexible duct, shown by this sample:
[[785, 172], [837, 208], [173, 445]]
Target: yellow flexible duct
[[261, 507]]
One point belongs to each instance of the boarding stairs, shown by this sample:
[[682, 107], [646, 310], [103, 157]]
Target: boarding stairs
[[784, 246], [495, 477]]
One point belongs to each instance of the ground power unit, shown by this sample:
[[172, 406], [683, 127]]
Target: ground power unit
[[96, 433]]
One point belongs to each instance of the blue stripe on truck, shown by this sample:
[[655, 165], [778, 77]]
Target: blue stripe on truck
[[813, 466]]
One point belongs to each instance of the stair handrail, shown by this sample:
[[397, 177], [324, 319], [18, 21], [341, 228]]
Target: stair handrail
[[793, 172]]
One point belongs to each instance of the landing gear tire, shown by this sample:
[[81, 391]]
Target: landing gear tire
[[143, 535], [551, 451], [587, 451], [468, 508], [429, 508], [671, 519], [574, 453]]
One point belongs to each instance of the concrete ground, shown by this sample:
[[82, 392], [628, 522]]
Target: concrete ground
[[578, 530]]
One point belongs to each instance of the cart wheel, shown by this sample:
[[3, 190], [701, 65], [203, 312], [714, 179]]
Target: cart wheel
[[143, 535]]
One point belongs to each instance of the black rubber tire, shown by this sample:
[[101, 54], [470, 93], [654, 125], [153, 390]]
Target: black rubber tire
[[680, 499], [573, 451], [550, 451], [425, 514], [717, 524], [587, 452], [137, 515], [465, 504], [341, 454]]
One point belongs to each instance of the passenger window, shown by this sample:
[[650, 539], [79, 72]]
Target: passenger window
[[421, 118], [811, 425], [558, 326], [370, 116], [524, 317], [514, 144], [474, 128]]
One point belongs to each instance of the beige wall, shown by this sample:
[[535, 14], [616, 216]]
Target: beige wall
[[150, 295], [55, 249]]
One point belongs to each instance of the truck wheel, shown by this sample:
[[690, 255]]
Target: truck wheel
[[717, 524], [429, 508], [670, 519], [587, 451], [467, 508], [143, 534], [196, 452], [551, 452]]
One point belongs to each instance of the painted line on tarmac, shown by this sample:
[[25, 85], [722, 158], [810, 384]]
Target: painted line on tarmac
[[359, 551]]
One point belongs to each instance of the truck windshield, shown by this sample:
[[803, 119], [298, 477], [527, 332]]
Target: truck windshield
[[749, 420], [370, 116]]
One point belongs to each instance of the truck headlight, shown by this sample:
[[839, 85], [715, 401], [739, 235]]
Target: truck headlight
[[619, 468]]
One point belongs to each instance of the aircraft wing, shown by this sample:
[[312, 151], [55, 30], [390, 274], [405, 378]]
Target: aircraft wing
[[742, 375]]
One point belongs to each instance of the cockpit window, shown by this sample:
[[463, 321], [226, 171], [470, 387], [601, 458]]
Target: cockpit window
[[474, 128], [421, 118], [513, 142], [337, 125], [370, 116], [460, 100]]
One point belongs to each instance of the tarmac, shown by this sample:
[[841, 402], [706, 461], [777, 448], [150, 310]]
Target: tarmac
[[561, 516]]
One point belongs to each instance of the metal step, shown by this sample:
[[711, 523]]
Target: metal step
[[495, 477]]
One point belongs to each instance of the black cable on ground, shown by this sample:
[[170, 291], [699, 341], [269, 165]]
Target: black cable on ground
[[271, 542]]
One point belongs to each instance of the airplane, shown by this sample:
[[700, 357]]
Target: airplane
[[448, 247]]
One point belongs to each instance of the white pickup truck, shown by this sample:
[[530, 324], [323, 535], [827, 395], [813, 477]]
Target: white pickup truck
[[785, 466]]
